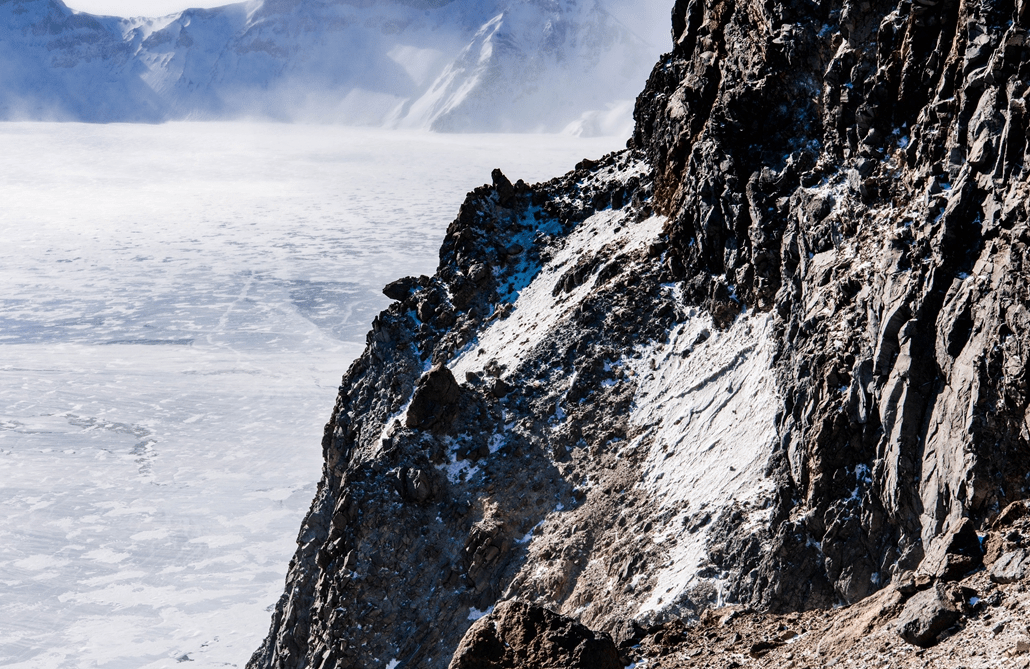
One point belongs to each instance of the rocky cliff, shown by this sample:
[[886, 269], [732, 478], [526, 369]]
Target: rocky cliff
[[764, 371]]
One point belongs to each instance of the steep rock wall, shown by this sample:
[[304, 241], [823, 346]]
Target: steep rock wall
[[773, 353], [857, 169]]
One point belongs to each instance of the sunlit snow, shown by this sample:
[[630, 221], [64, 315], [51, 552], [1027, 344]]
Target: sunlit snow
[[178, 304]]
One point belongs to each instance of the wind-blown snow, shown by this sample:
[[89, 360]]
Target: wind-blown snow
[[510, 341], [179, 303], [708, 400], [705, 400]]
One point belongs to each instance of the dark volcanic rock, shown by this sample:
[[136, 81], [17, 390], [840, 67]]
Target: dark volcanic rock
[[433, 403], [522, 636], [401, 288]]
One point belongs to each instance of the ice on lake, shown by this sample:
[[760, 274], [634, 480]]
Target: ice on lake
[[177, 305]]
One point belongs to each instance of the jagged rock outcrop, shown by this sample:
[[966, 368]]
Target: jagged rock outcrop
[[772, 355]]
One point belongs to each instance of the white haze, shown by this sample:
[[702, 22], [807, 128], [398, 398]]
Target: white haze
[[649, 20], [462, 66], [179, 303], [132, 8]]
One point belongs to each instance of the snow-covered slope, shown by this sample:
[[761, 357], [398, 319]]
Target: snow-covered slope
[[162, 286], [55, 64], [448, 65], [532, 64]]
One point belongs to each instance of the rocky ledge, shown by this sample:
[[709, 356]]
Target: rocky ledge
[[754, 389]]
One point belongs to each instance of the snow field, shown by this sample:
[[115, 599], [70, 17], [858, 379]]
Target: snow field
[[179, 304]]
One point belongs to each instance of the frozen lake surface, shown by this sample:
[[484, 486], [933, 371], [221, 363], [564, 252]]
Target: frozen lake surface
[[177, 305]]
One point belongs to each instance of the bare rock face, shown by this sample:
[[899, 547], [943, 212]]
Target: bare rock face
[[520, 636], [858, 171], [772, 356]]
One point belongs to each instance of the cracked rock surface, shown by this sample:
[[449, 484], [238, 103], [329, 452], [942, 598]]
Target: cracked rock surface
[[763, 371]]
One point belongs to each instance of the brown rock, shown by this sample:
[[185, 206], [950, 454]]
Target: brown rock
[[994, 547], [521, 636], [930, 612]]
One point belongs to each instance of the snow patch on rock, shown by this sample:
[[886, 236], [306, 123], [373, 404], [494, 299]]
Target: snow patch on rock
[[707, 400], [537, 310]]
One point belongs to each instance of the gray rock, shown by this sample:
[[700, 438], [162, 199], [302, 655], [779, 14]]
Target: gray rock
[[1010, 567], [478, 273], [930, 612]]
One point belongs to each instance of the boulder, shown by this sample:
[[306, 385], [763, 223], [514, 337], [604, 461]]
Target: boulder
[[401, 288], [1011, 514], [478, 273], [629, 633], [434, 402], [500, 388], [961, 553], [930, 612], [414, 485], [1010, 567], [517, 635]]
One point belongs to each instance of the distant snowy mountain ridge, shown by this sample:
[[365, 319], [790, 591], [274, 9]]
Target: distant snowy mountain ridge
[[458, 65]]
